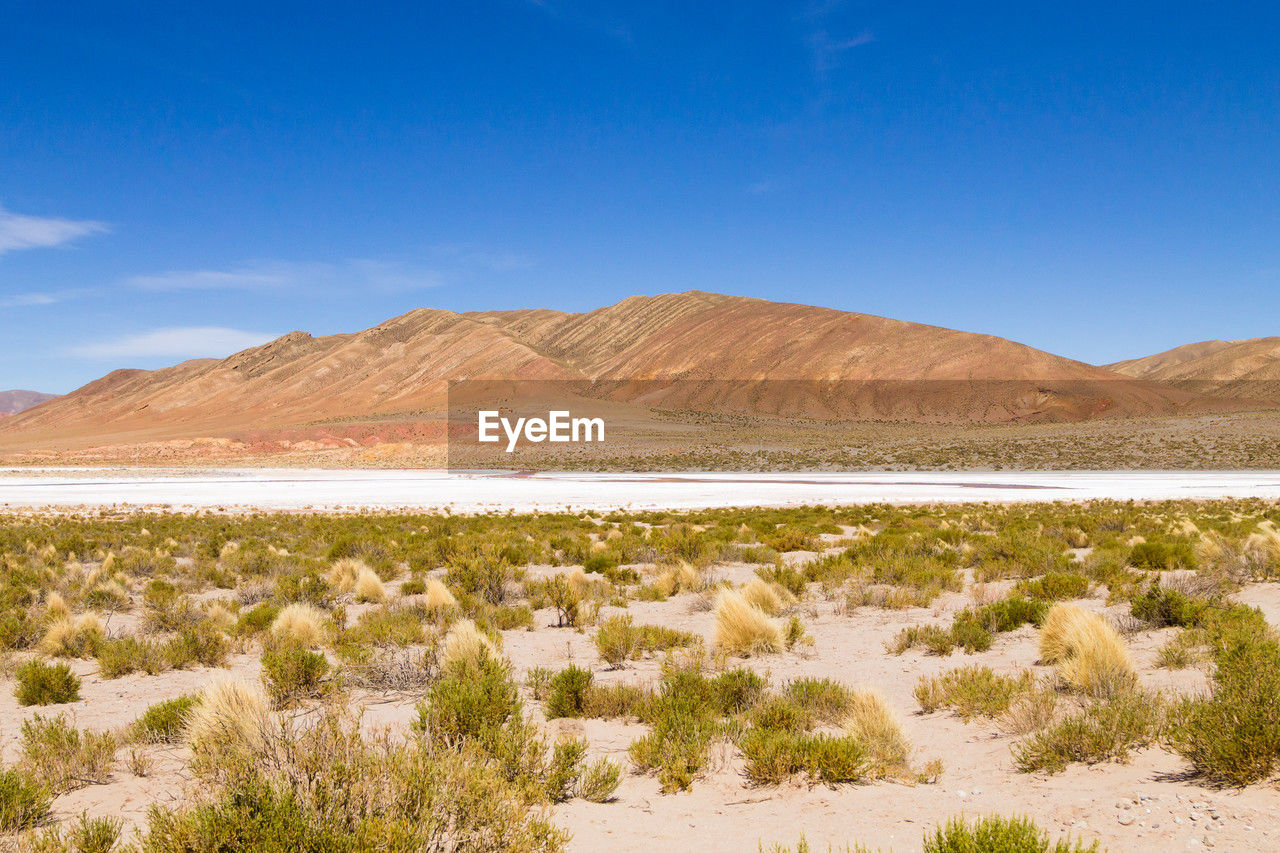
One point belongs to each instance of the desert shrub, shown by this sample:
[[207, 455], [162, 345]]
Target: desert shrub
[[386, 626], [934, 638], [473, 698], [998, 835], [744, 629], [611, 701], [1158, 555], [1054, 586], [972, 691], [620, 639], [84, 835], [164, 722], [483, 575], [1090, 655], [64, 757], [1161, 606], [599, 780], [786, 576], [1230, 736], [599, 564], [292, 673], [40, 683], [1030, 711], [773, 756], [201, 643], [23, 802], [301, 622], [824, 700], [686, 715], [564, 768], [1103, 731], [568, 691], [121, 656], [328, 789]]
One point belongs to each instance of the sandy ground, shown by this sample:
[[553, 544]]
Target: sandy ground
[[1147, 804], [284, 489]]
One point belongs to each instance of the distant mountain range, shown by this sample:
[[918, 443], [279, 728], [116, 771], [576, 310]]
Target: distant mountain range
[[13, 402], [393, 377], [1247, 369]]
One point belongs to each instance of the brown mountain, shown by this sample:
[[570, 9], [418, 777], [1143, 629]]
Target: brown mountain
[[1247, 369], [391, 378], [12, 402]]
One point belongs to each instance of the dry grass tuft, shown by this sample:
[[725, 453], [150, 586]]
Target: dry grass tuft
[[304, 623], [465, 646], [343, 573], [873, 723], [772, 598], [682, 577], [230, 720], [68, 637], [742, 628], [368, 587], [56, 607], [437, 599], [1091, 657]]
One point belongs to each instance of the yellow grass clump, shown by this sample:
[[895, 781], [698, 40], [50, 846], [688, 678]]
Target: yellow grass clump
[[304, 623], [220, 616], [368, 586], [56, 606], [466, 646], [231, 719], [71, 637], [873, 723], [681, 577], [772, 598], [437, 598], [742, 628], [343, 573], [1091, 656], [1265, 541]]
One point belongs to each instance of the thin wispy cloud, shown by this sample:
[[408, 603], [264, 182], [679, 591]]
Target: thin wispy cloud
[[37, 298], [827, 52], [180, 342], [18, 231], [264, 276]]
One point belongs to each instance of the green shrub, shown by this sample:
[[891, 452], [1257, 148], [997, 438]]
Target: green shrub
[[1054, 586], [774, 756], [292, 672], [620, 639], [972, 691], [1103, 731], [40, 683], [197, 644], [563, 770], [568, 691], [23, 802], [1161, 607], [826, 701], [121, 656], [599, 780], [63, 757], [164, 722], [1231, 736], [611, 701], [998, 835], [1158, 556]]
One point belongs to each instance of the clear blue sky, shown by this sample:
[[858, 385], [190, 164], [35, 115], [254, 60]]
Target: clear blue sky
[[1098, 180]]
